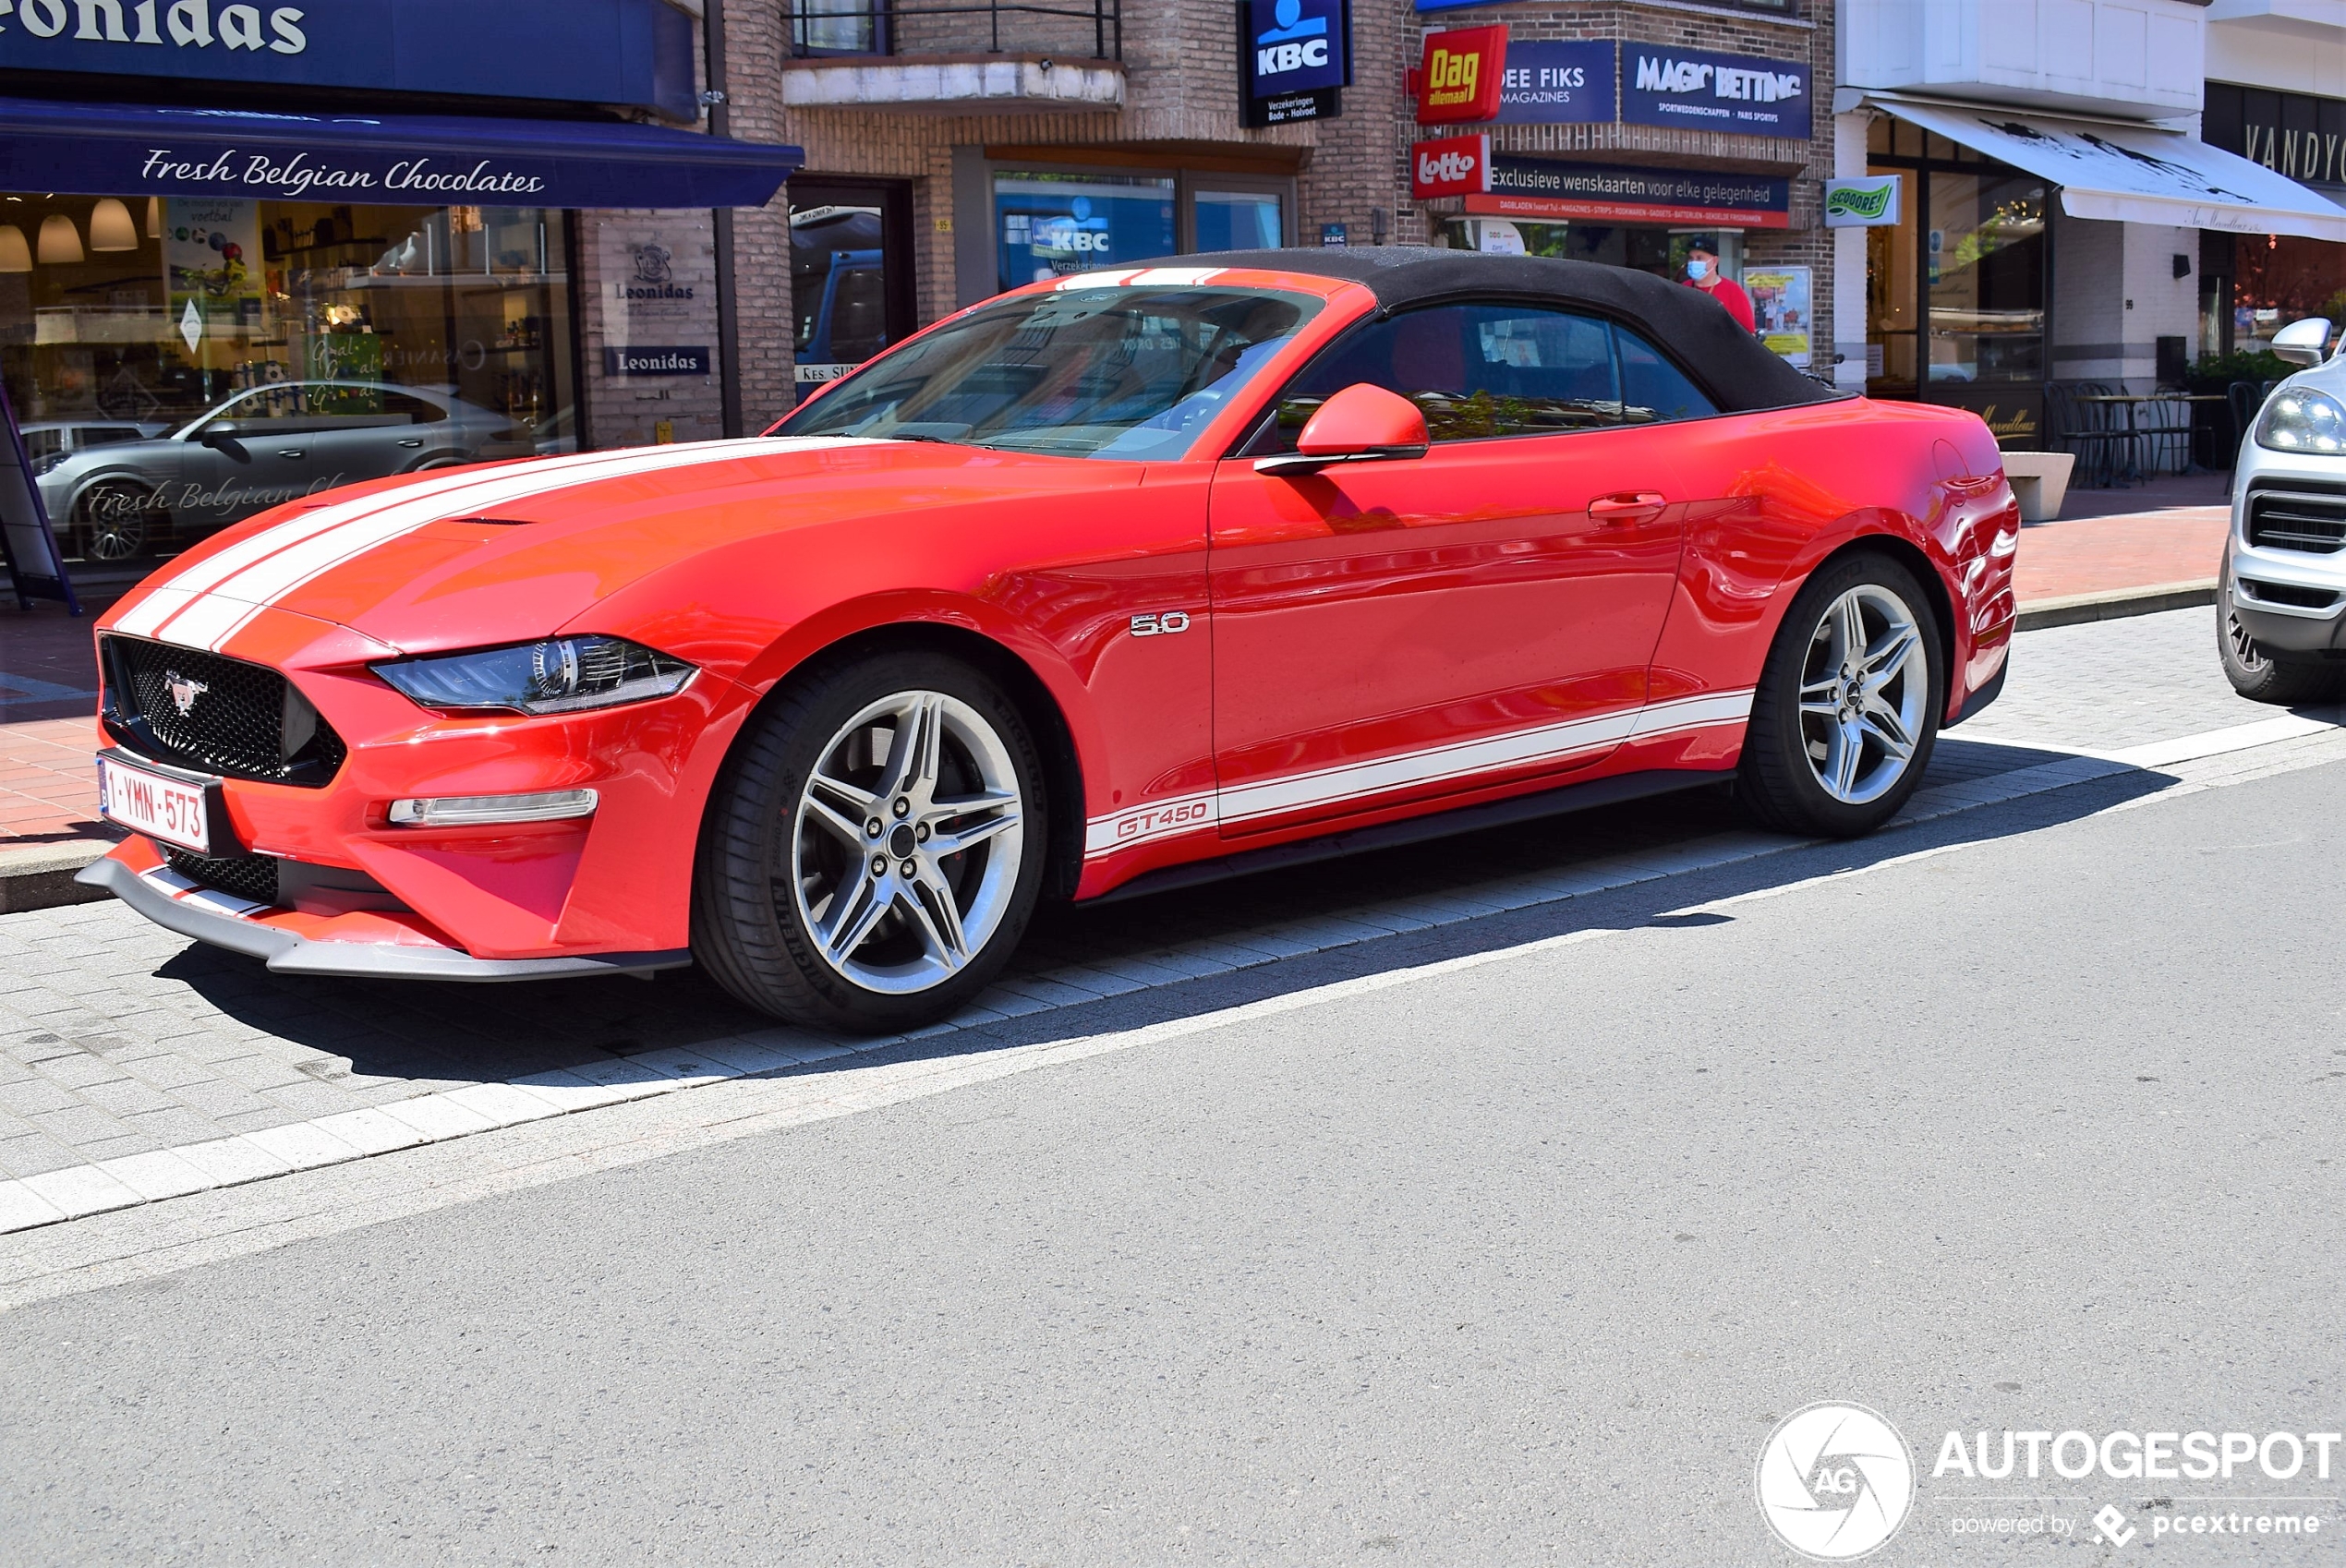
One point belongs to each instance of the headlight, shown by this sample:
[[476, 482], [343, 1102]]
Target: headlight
[[560, 675], [2298, 419]]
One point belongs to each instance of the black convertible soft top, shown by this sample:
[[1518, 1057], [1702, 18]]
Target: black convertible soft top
[[1733, 366]]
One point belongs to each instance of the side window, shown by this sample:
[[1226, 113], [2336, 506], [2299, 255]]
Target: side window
[[414, 410], [1477, 370], [1652, 389]]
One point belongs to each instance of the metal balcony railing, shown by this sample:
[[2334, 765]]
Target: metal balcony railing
[[1074, 30]]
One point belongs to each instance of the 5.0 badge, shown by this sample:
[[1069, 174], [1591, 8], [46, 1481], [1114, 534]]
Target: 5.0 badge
[[1162, 626]]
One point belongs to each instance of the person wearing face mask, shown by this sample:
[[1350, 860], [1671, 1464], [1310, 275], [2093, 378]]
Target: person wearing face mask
[[1702, 273]]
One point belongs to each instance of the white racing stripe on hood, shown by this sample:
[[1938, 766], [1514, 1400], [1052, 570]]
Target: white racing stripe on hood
[[215, 617]]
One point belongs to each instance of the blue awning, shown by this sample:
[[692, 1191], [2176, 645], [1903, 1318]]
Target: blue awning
[[416, 161]]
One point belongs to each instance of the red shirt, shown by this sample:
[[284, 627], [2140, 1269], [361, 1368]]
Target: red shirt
[[1730, 294]]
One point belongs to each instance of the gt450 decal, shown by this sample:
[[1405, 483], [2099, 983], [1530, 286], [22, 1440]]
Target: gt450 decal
[[1161, 625], [1156, 820]]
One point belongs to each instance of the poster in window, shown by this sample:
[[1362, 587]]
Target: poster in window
[[211, 273], [1781, 310]]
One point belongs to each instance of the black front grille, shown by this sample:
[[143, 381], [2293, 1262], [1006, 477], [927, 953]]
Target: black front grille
[[215, 713], [248, 876], [2309, 518]]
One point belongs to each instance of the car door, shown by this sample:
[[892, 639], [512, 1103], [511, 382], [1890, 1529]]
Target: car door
[[345, 432], [1393, 631]]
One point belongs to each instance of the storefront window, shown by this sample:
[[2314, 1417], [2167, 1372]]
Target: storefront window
[[353, 341], [1238, 219], [1984, 267], [1662, 251], [1050, 224], [2278, 279], [851, 274]]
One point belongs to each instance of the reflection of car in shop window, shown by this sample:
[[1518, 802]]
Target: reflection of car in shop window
[[50, 443], [258, 448]]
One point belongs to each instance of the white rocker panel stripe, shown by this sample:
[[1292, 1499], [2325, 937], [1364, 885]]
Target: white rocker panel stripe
[[1456, 760]]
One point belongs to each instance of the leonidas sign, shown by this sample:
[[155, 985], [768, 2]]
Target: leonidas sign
[[1455, 165], [1460, 75]]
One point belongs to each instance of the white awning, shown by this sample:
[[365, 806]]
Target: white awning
[[2130, 174]]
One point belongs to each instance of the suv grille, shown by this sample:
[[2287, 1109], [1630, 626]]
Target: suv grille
[[248, 876], [2299, 518], [247, 720]]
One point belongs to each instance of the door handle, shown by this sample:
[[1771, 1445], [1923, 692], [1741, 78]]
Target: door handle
[[412, 442], [1629, 507], [291, 452]]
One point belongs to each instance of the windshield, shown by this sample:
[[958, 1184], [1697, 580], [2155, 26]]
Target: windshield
[[1131, 373]]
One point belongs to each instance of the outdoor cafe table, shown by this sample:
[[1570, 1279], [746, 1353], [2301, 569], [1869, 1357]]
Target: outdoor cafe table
[[2134, 401]]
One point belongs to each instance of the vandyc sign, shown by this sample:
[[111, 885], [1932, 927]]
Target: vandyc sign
[[1455, 165], [1725, 92]]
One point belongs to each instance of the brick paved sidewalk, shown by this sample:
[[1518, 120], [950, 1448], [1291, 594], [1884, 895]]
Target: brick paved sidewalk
[[48, 690]]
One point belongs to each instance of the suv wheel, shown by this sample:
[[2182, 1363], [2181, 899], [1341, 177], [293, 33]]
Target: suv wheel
[[2256, 674], [110, 523], [877, 849]]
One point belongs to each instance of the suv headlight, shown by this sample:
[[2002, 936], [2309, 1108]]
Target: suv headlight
[[2299, 420], [559, 675]]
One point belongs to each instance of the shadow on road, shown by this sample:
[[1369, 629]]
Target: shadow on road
[[442, 1036]]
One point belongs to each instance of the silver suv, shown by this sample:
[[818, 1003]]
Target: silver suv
[[2282, 604]]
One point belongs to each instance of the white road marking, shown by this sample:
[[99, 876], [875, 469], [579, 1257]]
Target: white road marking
[[736, 1091]]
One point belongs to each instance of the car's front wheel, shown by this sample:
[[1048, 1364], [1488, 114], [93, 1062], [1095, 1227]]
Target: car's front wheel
[[110, 523], [876, 849], [1848, 704], [2254, 673]]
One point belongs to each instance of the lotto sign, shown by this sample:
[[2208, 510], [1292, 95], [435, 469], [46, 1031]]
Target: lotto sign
[[1455, 165], [1460, 76]]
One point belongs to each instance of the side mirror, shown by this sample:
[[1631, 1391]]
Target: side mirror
[[1361, 424], [2302, 342], [220, 433]]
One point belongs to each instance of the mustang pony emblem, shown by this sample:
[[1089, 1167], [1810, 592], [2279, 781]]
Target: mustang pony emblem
[[184, 691]]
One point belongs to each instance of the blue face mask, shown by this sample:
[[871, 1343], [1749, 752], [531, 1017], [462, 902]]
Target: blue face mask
[[1697, 268]]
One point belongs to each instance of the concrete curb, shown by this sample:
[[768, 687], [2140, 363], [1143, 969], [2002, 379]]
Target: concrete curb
[[2076, 609], [40, 876]]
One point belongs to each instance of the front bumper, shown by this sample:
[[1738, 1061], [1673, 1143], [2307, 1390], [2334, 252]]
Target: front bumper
[[2293, 601], [292, 943]]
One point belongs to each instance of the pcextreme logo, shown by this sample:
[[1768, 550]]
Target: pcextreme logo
[[1835, 1481]]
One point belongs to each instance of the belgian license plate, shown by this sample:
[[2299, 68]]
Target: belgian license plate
[[150, 804]]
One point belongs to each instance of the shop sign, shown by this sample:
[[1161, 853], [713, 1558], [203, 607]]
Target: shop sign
[[629, 51], [1695, 91], [2013, 414], [1783, 310], [1454, 165], [1549, 83], [1869, 204], [1543, 188], [643, 361], [1460, 75], [657, 286], [1294, 58]]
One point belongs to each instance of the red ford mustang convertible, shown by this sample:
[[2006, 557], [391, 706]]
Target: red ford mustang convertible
[[1117, 581]]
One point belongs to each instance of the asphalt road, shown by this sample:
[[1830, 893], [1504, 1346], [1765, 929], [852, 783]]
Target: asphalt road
[[1518, 1263]]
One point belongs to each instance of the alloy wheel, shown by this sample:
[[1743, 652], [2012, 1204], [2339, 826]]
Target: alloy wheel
[[906, 842], [1864, 689], [113, 524]]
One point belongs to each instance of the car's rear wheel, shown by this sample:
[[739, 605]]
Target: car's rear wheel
[[1848, 704], [110, 523], [876, 849], [2254, 673]]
